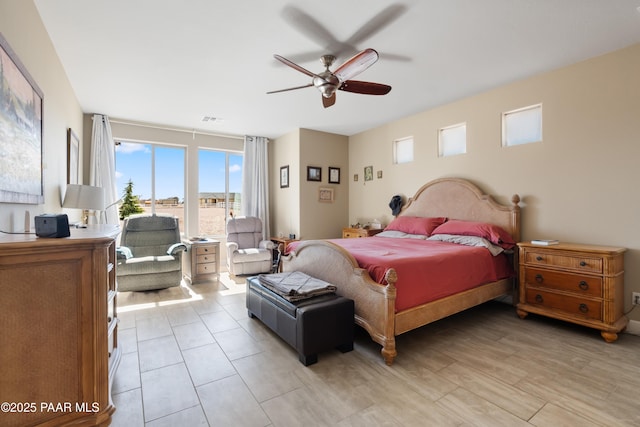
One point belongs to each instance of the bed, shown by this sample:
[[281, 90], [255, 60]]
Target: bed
[[379, 309]]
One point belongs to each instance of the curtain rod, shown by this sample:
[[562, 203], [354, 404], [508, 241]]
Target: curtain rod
[[193, 131]]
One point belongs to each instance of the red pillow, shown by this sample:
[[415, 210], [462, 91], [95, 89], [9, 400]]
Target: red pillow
[[492, 233], [415, 224]]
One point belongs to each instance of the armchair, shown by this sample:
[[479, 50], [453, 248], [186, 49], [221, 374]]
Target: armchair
[[247, 253], [150, 255]]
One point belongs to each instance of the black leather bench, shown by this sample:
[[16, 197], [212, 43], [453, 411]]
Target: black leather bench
[[310, 326]]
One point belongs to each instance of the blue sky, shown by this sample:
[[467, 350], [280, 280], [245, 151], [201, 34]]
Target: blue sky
[[133, 161]]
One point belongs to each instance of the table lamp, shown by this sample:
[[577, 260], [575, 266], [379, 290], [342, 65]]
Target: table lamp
[[85, 197]]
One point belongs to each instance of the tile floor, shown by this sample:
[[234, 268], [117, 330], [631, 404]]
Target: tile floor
[[192, 357]]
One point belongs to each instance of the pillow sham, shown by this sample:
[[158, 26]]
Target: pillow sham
[[415, 224], [400, 235], [493, 233], [468, 241]]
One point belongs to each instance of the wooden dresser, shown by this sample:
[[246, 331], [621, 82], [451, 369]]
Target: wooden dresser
[[349, 232], [59, 328], [202, 260], [583, 284]]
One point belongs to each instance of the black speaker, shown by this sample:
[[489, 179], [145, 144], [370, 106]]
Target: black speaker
[[52, 225]]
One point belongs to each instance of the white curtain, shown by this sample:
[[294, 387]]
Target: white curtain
[[255, 181], [103, 166]]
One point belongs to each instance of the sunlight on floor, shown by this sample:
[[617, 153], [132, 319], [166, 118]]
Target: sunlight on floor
[[185, 293]]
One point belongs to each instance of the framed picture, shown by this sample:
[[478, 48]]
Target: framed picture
[[21, 177], [284, 176], [379, 174], [334, 175], [325, 195], [368, 173], [314, 173], [73, 154], [355, 176]]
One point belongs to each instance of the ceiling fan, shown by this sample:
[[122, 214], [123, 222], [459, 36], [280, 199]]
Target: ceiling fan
[[329, 82]]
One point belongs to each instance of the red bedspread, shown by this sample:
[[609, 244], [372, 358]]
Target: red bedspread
[[427, 270]]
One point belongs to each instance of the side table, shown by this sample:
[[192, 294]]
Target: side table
[[201, 262]]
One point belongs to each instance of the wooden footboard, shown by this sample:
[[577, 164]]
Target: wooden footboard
[[374, 303]]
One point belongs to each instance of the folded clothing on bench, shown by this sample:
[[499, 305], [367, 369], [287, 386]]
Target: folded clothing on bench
[[295, 285]]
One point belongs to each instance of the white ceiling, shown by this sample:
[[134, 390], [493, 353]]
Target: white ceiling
[[174, 62]]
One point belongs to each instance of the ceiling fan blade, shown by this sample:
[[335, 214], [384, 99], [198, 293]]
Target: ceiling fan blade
[[313, 29], [291, 88], [356, 64], [376, 24], [294, 65], [328, 102], [367, 88]]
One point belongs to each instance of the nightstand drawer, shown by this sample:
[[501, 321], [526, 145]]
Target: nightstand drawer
[[208, 268], [564, 261], [203, 250], [579, 284], [203, 259], [577, 306]]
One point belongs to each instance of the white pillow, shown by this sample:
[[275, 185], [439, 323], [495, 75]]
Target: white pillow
[[400, 235], [468, 241]]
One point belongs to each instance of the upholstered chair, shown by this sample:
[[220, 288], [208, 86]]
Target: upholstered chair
[[247, 252], [150, 253]]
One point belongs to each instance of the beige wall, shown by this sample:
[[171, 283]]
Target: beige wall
[[580, 184], [61, 108], [296, 209]]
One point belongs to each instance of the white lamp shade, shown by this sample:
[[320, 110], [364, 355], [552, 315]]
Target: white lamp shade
[[84, 197]]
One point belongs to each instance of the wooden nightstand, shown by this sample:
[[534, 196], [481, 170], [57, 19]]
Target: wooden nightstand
[[583, 284], [201, 262], [349, 232]]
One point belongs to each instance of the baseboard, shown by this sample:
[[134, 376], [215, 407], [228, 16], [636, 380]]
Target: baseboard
[[633, 327]]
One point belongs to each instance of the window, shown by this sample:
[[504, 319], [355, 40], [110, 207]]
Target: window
[[157, 173], [452, 140], [522, 126], [403, 150], [219, 190]]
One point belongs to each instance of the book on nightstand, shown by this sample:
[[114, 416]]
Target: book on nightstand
[[544, 242]]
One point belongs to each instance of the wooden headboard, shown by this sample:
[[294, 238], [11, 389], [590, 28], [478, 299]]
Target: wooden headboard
[[457, 198]]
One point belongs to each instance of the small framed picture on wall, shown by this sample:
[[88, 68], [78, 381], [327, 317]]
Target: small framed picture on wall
[[334, 175], [284, 176], [314, 173]]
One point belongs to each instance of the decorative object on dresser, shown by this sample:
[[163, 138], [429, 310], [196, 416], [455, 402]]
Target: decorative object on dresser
[[85, 197], [201, 261], [351, 232], [59, 327], [582, 284]]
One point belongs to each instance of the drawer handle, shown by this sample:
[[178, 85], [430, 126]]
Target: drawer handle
[[539, 299], [583, 263], [583, 285], [539, 258], [583, 308], [206, 249], [539, 278]]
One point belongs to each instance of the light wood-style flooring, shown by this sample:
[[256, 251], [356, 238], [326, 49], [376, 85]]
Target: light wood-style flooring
[[192, 357]]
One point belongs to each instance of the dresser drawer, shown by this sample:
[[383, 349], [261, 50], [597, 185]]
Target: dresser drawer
[[579, 284], [588, 309], [579, 263], [203, 250]]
